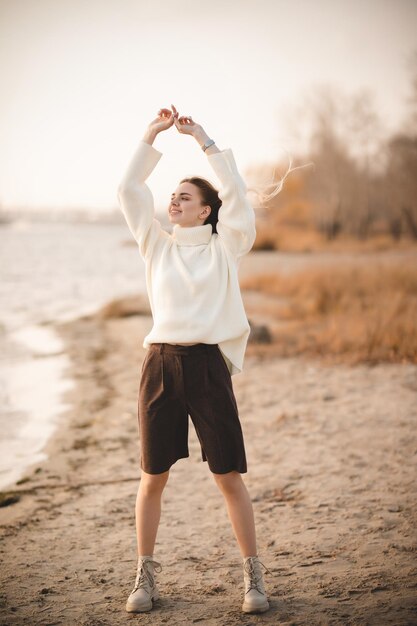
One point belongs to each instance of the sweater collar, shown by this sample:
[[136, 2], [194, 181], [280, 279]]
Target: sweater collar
[[192, 235]]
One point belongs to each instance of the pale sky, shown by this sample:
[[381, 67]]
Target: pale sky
[[82, 79]]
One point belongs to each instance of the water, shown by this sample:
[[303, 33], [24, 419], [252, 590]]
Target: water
[[50, 272]]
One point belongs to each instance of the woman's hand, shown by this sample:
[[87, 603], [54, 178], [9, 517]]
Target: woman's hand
[[186, 126], [163, 121]]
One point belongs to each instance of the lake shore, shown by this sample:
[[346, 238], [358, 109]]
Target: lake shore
[[331, 455]]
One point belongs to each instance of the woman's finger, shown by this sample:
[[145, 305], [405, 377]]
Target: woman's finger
[[184, 119]]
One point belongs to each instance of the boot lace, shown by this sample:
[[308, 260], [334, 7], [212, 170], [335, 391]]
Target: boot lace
[[144, 577], [254, 579]]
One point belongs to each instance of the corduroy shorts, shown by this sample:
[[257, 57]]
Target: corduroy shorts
[[178, 382]]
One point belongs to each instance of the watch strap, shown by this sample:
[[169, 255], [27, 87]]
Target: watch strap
[[207, 144]]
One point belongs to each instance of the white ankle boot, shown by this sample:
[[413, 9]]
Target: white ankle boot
[[145, 589], [256, 600]]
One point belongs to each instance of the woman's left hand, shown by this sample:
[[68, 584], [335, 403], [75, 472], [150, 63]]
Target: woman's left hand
[[186, 125]]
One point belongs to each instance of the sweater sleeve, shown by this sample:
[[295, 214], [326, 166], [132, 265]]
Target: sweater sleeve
[[136, 200], [236, 221]]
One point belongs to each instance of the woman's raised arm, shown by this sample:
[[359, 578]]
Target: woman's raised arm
[[236, 223], [236, 220], [135, 197]]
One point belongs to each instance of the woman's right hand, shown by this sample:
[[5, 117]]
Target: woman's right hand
[[163, 121]]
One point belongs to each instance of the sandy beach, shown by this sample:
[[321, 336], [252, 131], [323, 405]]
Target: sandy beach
[[187, 153], [331, 455]]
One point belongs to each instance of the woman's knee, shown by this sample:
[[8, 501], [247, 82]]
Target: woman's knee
[[230, 482], [153, 483]]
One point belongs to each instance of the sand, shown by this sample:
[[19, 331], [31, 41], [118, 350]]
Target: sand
[[331, 456]]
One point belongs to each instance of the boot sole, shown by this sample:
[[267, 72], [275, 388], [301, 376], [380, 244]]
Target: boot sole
[[247, 608]]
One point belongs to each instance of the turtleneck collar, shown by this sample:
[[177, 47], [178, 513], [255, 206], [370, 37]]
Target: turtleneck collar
[[192, 235]]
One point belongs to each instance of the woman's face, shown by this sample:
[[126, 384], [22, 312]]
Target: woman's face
[[185, 207]]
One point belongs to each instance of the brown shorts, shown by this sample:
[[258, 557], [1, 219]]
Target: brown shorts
[[181, 381]]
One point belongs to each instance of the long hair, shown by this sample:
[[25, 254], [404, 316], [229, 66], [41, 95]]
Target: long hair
[[210, 195]]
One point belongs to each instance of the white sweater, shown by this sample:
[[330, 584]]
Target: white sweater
[[192, 274]]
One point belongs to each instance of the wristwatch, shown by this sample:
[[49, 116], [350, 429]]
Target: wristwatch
[[208, 143]]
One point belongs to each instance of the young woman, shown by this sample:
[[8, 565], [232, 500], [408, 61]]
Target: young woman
[[198, 340]]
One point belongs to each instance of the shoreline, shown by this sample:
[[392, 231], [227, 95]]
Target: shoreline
[[332, 493], [39, 355]]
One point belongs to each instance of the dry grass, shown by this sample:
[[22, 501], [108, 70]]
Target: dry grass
[[357, 314], [285, 237]]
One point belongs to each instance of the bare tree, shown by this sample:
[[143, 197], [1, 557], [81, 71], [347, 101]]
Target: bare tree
[[410, 123], [401, 177], [362, 178], [400, 181], [345, 143]]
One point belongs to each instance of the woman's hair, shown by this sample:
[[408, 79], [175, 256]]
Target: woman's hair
[[267, 191], [210, 196]]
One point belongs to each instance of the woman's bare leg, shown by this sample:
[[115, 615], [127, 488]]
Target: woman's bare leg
[[239, 509], [148, 510]]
